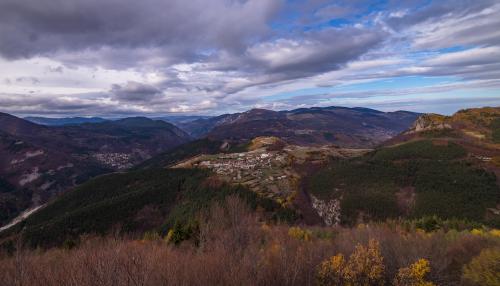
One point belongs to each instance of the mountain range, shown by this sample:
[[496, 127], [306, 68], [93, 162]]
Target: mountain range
[[441, 166], [64, 121], [342, 126], [37, 161], [309, 161]]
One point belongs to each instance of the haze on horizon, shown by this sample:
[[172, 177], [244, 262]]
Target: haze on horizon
[[157, 57]]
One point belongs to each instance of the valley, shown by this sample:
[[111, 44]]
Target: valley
[[345, 127], [434, 180], [40, 162], [249, 142]]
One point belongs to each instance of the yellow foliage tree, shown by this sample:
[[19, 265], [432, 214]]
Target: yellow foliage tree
[[364, 268], [484, 269], [331, 271], [299, 233], [414, 275]]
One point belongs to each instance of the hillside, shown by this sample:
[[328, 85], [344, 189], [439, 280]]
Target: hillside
[[414, 179], [477, 130], [425, 193], [39, 162], [200, 127], [345, 127], [475, 124], [132, 202], [442, 166]]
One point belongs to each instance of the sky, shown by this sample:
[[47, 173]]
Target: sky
[[207, 57]]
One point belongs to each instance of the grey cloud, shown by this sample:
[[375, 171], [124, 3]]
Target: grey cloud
[[95, 104], [416, 13], [22, 103], [184, 28], [57, 69], [443, 24], [227, 46], [304, 55], [318, 51], [26, 79], [135, 92]]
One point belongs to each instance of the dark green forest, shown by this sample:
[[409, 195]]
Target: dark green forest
[[444, 182]]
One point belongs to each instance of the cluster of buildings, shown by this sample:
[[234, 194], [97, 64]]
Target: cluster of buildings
[[114, 160], [265, 172]]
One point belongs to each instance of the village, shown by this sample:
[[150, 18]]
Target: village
[[266, 170], [267, 173], [117, 161]]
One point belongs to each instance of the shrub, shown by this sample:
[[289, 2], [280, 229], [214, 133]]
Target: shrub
[[332, 271], [414, 275], [180, 232], [484, 269], [299, 233], [365, 267]]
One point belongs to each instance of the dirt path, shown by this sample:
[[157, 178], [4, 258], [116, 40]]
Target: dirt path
[[20, 218]]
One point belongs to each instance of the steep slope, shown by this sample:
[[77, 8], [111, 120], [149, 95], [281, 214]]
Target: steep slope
[[477, 130], [442, 166], [414, 179], [132, 202], [480, 124], [201, 127], [346, 127], [41, 161]]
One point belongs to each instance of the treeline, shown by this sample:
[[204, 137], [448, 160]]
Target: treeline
[[442, 181], [233, 246], [128, 203], [495, 130]]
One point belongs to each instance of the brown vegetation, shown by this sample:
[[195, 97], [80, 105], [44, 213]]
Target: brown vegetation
[[234, 247]]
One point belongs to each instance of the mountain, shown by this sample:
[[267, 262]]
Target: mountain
[[448, 166], [37, 161], [64, 121], [179, 120], [201, 127], [136, 201], [421, 173], [353, 127], [476, 129], [480, 124]]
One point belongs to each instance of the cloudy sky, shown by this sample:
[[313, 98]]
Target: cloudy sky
[[158, 57]]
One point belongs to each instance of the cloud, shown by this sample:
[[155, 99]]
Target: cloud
[[126, 57], [316, 52], [28, 79], [57, 69], [442, 23], [135, 92], [182, 29]]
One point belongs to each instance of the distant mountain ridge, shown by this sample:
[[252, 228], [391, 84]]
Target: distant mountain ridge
[[343, 126], [40, 161], [51, 121], [64, 121], [424, 173]]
